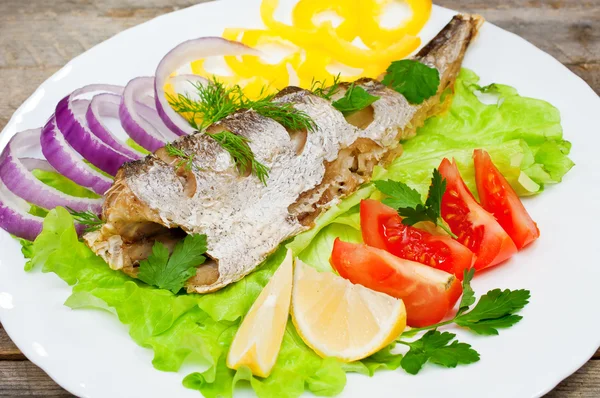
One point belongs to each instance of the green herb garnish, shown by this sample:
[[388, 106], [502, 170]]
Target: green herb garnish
[[409, 204], [435, 347], [355, 99], [185, 160], [242, 155], [321, 89], [170, 272], [495, 310], [414, 80], [88, 218], [216, 101]]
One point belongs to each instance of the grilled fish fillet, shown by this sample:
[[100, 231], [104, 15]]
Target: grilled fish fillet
[[244, 220]]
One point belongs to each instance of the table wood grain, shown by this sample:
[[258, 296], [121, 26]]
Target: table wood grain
[[37, 37]]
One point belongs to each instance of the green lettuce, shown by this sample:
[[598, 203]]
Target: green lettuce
[[524, 138]]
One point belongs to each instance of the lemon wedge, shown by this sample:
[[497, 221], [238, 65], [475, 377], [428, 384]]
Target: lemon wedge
[[258, 340], [339, 319]]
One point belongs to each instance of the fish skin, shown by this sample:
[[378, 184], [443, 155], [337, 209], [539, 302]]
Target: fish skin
[[244, 219]]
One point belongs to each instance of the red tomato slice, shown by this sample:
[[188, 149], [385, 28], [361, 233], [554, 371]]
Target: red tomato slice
[[476, 228], [382, 228], [373, 214], [497, 196], [428, 293]]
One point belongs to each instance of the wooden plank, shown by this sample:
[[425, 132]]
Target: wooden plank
[[8, 350], [22, 378], [583, 384]]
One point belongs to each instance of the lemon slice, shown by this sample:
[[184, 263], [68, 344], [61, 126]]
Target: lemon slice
[[339, 319], [258, 340]]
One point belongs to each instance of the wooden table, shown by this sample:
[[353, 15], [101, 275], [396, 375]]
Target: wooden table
[[37, 37]]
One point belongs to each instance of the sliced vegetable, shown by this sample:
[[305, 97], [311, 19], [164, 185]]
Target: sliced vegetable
[[15, 218], [382, 227], [68, 162], [139, 118], [70, 121], [18, 179], [476, 228], [184, 54], [497, 196], [428, 293], [102, 106]]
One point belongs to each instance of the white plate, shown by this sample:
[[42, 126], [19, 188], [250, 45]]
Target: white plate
[[90, 353]]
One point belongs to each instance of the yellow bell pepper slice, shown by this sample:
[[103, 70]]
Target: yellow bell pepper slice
[[324, 40], [306, 11], [373, 34]]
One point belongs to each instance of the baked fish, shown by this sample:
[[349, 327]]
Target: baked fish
[[245, 220]]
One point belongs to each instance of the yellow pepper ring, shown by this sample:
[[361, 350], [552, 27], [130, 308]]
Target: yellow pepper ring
[[372, 33], [325, 40], [306, 10], [251, 66]]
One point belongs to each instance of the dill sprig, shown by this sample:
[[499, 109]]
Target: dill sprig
[[283, 113], [242, 155], [88, 218], [184, 159], [321, 89], [216, 101]]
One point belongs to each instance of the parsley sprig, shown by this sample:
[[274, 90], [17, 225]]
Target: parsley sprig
[[495, 310], [439, 348], [88, 218], [171, 271], [414, 80], [355, 99], [409, 204]]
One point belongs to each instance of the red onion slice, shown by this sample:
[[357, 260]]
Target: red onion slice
[[14, 216], [139, 117], [39, 164], [19, 180], [181, 55], [68, 162], [107, 106], [186, 84], [70, 120]]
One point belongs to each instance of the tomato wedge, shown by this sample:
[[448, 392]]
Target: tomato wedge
[[497, 196], [428, 293], [475, 227], [382, 228]]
